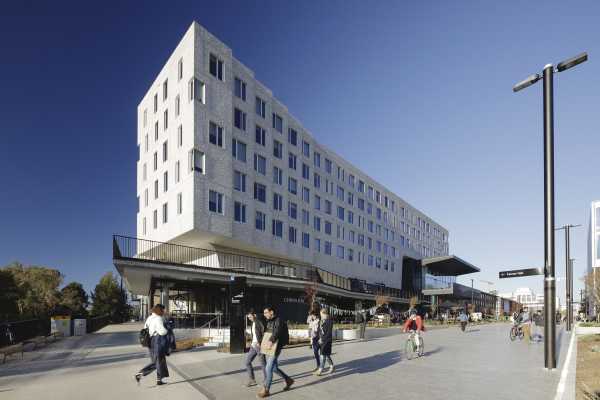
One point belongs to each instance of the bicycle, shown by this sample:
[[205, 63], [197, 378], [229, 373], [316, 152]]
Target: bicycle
[[412, 347], [516, 332]]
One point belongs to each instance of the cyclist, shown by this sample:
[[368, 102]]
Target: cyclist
[[415, 323], [463, 319]]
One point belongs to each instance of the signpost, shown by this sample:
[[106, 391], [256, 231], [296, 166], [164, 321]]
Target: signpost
[[517, 273]]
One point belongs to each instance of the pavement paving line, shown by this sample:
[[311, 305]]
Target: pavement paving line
[[560, 389], [192, 383]]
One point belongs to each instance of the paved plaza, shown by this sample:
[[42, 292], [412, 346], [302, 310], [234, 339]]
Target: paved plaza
[[481, 363]]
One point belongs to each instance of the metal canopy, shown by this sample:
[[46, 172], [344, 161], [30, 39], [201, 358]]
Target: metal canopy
[[448, 266]]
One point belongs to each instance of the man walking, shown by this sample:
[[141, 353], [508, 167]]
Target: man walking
[[325, 342], [272, 344], [258, 329], [363, 323]]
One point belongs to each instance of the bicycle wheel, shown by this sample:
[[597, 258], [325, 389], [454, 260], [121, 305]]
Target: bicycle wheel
[[410, 349], [513, 333], [422, 349]]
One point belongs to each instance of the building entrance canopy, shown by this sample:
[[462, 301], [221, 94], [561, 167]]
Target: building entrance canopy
[[448, 266]]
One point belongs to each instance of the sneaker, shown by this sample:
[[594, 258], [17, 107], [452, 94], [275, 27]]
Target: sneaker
[[138, 378], [263, 393], [331, 369], [288, 383], [160, 383], [250, 383], [314, 370], [318, 372]]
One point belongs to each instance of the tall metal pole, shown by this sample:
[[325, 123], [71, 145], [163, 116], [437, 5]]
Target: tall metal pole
[[549, 278], [472, 306], [570, 302]]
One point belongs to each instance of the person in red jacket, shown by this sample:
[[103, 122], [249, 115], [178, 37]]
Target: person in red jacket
[[415, 323]]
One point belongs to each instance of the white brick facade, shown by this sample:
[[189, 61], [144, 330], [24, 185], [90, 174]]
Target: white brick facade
[[391, 225]]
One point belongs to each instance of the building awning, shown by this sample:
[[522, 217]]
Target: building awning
[[448, 266]]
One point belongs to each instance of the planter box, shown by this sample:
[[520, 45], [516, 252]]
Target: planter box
[[590, 330]]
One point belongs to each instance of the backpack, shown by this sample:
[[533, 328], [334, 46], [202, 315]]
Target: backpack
[[144, 337], [284, 337]]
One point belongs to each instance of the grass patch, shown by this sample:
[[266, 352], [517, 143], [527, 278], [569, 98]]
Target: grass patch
[[588, 365], [590, 324]]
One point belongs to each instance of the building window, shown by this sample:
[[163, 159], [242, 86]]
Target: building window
[[260, 136], [277, 202], [177, 106], [277, 123], [340, 193], [215, 202], [328, 166], [144, 226], [155, 103], [165, 213], [146, 197], [196, 161], [239, 212], [292, 161], [179, 203], [260, 164], [165, 152], [156, 188], [305, 217], [292, 210], [292, 137], [292, 234], [180, 69], [165, 89], [165, 181], [305, 171], [156, 131], [317, 181], [305, 240], [328, 227], [177, 172], [340, 213], [327, 207], [180, 136], [144, 172], [318, 245], [238, 150], [317, 159], [239, 181], [306, 194], [277, 176], [327, 248], [239, 119], [260, 222], [317, 224], [155, 219], [146, 143], [306, 149], [145, 117], [292, 185], [215, 134], [277, 149], [261, 107], [240, 89], [260, 192], [196, 90], [277, 228], [166, 120], [317, 202], [215, 67]]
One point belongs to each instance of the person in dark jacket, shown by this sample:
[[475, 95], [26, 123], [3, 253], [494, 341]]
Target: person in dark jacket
[[274, 328], [313, 333], [325, 341], [257, 330], [362, 320]]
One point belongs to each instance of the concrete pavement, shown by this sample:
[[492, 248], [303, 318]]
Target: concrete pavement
[[481, 363]]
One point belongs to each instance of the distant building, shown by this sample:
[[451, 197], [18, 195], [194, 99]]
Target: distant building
[[593, 248], [529, 299]]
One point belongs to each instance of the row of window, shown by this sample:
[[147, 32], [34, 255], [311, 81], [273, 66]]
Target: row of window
[[164, 216]]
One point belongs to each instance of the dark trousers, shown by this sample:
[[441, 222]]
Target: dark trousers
[[315, 347], [361, 332], [158, 360], [252, 354]]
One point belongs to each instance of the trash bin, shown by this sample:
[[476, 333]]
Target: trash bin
[[61, 324], [79, 327]]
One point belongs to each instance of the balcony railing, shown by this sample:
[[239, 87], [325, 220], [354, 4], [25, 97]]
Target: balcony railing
[[125, 247]]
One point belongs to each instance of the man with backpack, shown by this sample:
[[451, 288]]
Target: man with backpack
[[275, 337], [154, 336]]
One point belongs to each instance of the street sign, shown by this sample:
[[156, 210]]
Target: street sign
[[517, 273]]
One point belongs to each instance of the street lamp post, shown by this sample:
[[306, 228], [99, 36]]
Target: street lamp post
[[568, 273], [549, 278]]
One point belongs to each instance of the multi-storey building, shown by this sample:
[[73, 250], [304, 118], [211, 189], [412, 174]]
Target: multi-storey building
[[224, 166]]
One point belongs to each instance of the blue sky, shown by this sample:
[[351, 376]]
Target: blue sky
[[416, 95]]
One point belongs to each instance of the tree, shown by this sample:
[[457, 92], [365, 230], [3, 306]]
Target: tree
[[9, 296], [592, 287], [38, 287], [74, 298], [109, 299]]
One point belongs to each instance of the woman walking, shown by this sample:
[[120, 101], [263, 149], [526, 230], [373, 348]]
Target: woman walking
[[313, 333], [325, 342], [159, 346]]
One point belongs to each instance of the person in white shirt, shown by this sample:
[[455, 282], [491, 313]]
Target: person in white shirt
[[258, 329], [158, 346]]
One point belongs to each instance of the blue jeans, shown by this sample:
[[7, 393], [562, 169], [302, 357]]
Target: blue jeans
[[324, 360], [272, 366], [252, 354], [315, 347]]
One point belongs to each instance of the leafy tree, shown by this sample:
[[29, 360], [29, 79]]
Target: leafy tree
[[9, 296], [592, 287], [38, 287], [74, 298], [109, 299]]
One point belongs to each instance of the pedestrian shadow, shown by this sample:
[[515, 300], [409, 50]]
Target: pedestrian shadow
[[472, 330], [434, 351], [358, 366]]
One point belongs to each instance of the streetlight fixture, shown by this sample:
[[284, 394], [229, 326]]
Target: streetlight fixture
[[569, 273], [549, 279]]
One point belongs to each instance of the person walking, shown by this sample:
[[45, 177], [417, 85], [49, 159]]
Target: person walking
[[325, 342], [273, 344], [159, 346], [257, 329], [313, 333], [462, 317], [525, 321], [363, 323]]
